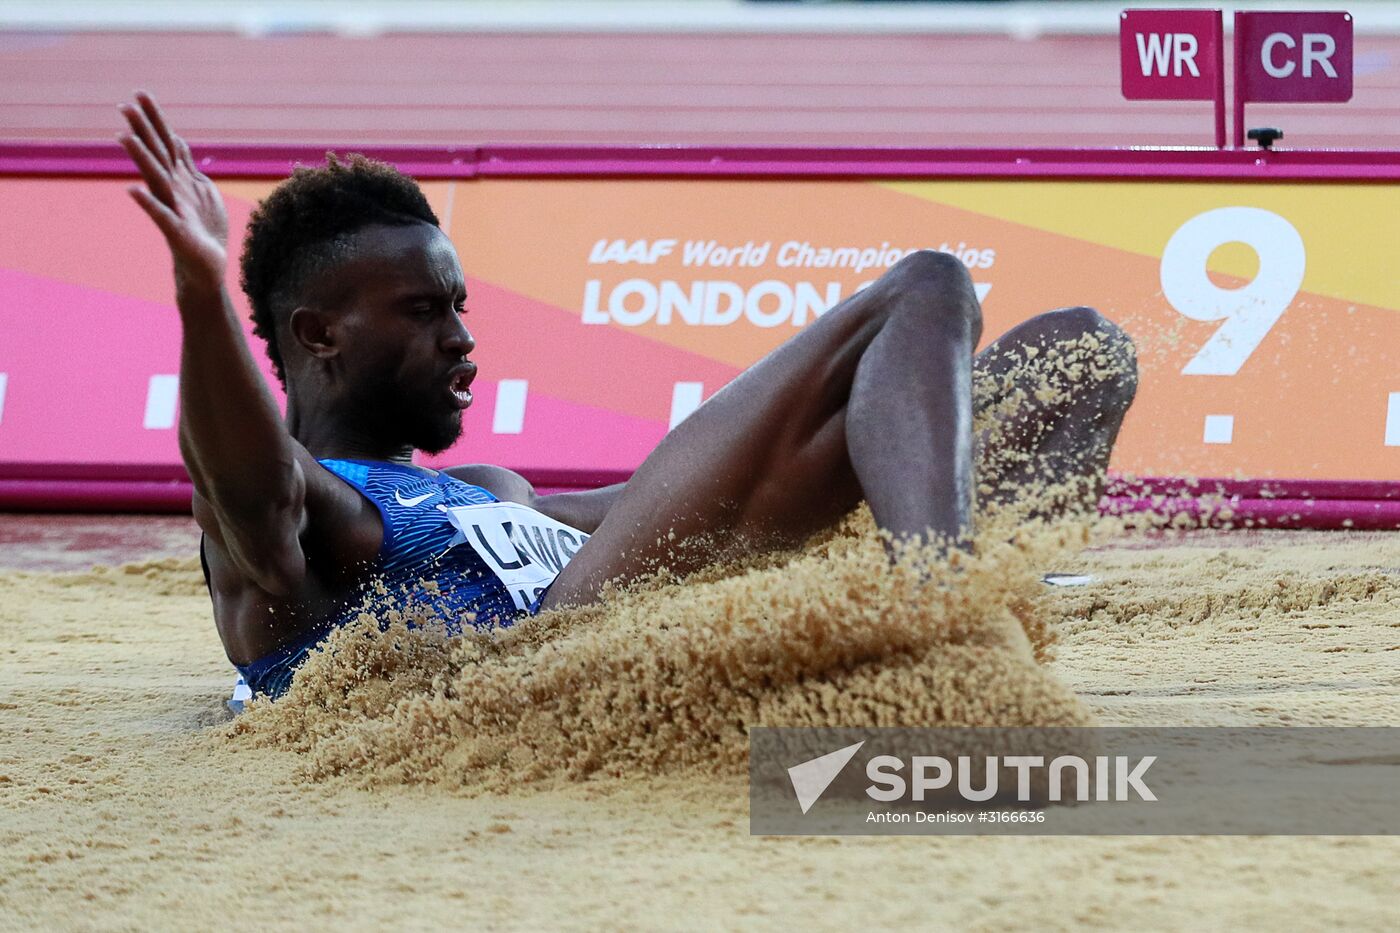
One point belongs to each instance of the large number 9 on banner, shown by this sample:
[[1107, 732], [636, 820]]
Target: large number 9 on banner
[[1248, 312]]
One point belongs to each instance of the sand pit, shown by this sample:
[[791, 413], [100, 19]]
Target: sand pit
[[127, 800]]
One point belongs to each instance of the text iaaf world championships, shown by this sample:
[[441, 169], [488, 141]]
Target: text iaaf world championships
[[768, 303]]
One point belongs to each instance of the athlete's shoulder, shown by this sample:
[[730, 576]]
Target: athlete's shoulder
[[506, 485]]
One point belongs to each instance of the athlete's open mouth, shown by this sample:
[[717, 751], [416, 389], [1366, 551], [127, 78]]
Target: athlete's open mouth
[[460, 384]]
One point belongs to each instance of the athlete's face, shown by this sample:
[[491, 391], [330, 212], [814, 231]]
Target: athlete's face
[[402, 366]]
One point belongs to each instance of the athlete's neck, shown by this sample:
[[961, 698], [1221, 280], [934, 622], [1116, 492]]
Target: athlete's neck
[[327, 437]]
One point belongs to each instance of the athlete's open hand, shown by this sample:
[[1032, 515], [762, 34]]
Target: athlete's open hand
[[181, 199]]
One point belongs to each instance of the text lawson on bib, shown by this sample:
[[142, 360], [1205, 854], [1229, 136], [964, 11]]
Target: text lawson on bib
[[525, 548]]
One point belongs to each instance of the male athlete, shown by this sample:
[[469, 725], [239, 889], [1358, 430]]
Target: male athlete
[[359, 296]]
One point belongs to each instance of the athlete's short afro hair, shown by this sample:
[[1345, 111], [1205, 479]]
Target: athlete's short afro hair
[[304, 225]]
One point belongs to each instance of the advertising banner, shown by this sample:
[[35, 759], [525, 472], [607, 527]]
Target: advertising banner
[[1266, 315]]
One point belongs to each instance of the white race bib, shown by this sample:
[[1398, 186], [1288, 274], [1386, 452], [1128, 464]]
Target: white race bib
[[523, 547]]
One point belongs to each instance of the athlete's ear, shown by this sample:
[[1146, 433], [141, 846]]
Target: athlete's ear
[[312, 330]]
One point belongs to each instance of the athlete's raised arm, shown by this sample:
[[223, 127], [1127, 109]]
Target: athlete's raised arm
[[245, 466]]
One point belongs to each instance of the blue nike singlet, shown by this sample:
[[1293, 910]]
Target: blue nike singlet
[[422, 543]]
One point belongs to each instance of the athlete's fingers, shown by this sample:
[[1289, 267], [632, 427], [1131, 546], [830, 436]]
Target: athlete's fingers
[[182, 151], [143, 130], [151, 111], [156, 176], [187, 157], [163, 216]]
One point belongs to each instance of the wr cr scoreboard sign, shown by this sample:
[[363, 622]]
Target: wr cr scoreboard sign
[[1299, 57], [1180, 55], [1170, 54]]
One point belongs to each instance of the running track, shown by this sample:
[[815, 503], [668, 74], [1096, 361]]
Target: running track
[[806, 90]]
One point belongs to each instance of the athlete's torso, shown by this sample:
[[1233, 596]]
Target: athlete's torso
[[450, 552], [421, 565]]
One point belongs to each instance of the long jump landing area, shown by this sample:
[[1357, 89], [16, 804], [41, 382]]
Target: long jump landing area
[[124, 803]]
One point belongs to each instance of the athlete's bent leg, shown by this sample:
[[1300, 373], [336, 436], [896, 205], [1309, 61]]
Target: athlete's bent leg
[[1051, 394], [872, 401]]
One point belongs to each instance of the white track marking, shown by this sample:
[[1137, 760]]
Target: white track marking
[[4, 383], [1392, 420]]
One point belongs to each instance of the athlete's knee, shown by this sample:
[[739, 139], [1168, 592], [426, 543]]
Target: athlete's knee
[[936, 286], [1110, 339], [1108, 347]]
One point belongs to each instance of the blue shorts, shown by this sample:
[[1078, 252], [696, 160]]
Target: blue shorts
[[271, 674]]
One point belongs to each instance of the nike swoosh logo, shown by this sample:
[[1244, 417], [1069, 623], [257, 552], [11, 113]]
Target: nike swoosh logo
[[410, 503]]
